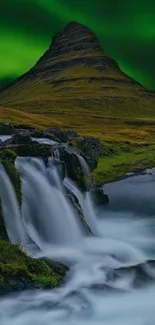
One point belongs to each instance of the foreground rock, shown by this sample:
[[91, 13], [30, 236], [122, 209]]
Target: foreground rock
[[19, 272]]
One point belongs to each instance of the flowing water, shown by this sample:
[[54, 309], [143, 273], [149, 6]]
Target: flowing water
[[102, 286]]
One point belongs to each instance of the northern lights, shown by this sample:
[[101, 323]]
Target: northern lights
[[126, 29]]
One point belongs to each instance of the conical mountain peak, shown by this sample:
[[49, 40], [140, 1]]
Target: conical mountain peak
[[77, 35], [75, 75]]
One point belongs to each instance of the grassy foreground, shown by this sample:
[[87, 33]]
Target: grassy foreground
[[15, 264]]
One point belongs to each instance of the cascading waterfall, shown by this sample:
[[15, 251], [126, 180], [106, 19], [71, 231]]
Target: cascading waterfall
[[11, 212], [85, 203], [54, 173], [102, 285]]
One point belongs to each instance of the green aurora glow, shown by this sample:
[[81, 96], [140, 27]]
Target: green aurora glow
[[126, 29]]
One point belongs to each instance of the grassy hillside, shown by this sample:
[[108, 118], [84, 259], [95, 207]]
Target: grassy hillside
[[75, 85], [18, 117]]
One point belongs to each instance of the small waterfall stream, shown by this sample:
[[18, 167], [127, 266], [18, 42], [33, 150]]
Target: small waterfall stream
[[95, 292]]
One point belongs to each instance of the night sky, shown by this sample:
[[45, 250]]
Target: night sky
[[126, 29]]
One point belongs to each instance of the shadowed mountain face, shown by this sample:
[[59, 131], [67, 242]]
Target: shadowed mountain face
[[78, 84]]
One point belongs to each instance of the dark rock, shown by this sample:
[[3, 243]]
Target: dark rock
[[72, 134], [50, 136], [58, 135], [90, 148], [33, 149], [37, 134], [19, 138], [74, 168], [139, 272], [22, 127], [62, 136], [98, 196], [6, 129]]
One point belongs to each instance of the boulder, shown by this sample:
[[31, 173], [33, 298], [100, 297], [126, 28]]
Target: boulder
[[20, 272], [98, 196], [19, 138], [37, 134], [90, 149], [6, 129], [72, 134], [61, 135], [58, 134], [33, 149]]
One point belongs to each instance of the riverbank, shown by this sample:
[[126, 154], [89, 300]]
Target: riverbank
[[118, 160]]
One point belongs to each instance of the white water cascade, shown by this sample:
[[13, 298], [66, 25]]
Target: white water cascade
[[85, 203], [102, 286], [11, 212]]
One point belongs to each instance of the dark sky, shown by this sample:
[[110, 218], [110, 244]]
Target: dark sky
[[126, 29]]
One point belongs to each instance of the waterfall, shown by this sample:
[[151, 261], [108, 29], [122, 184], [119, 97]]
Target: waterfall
[[85, 203], [47, 214], [55, 173], [109, 281], [53, 220], [11, 211]]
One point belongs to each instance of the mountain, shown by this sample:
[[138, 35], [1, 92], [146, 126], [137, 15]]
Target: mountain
[[78, 85]]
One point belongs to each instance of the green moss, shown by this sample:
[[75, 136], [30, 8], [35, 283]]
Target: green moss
[[14, 177], [14, 263], [8, 154], [16, 182], [74, 169], [33, 150], [47, 281]]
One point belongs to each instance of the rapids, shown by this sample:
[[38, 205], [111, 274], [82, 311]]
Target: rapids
[[94, 291]]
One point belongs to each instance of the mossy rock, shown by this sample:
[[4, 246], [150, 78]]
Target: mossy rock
[[34, 149], [14, 177], [74, 168], [90, 149], [7, 154], [18, 269], [16, 182]]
